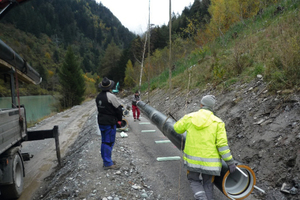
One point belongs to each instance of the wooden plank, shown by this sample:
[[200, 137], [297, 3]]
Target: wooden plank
[[6, 67]]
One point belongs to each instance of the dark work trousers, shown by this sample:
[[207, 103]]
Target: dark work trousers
[[108, 136], [202, 187], [136, 112]]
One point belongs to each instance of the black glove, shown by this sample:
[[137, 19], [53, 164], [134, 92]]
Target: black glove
[[232, 168]]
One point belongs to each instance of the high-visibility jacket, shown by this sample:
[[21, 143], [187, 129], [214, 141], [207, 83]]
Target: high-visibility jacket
[[206, 142]]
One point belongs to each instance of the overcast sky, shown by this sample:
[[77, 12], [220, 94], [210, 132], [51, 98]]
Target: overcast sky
[[134, 14]]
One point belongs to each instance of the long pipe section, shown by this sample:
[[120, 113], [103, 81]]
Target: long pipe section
[[163, 123], [24, 69], [237, 185]]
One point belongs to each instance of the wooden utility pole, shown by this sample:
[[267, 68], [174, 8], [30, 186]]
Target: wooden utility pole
[[142, 64], [149, 54], [170, 55]]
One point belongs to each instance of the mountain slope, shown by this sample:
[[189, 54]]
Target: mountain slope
[[68, 20], [263, 130]]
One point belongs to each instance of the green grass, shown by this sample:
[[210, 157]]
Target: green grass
[[268, 45]]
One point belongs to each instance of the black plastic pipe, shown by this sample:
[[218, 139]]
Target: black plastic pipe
[[233, 186], [11, 57], [163, 123]]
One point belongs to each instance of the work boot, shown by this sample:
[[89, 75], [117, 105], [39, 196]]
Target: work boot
[[114, 163], [115, 167], [200, 195], [134, 120], [138, 119]]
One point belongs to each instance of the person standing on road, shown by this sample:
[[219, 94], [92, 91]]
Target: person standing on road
[[205, 145], [135, 110], [109, 115]]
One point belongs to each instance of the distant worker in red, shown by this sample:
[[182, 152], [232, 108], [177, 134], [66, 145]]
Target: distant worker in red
[[205, 145], [135, 110], [109, 115]]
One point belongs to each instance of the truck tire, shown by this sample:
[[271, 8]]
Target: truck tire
[[14, 190]]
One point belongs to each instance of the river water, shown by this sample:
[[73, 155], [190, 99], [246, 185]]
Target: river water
[[36, 107]]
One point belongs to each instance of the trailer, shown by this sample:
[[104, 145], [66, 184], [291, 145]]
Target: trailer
[[13, 125]]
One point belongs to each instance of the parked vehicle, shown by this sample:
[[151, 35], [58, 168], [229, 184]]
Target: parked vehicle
[[13, 125]]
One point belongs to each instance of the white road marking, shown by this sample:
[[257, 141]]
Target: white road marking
[[168, 158], [148, 131], [144, 123], [162, 141]]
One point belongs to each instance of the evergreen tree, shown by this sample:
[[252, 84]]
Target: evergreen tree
[[71, 80], [110, 61], [120, 70], [56, 56], [44, 74], [86, 64]]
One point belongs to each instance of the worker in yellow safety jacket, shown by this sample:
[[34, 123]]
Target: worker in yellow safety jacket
[[205, 145]]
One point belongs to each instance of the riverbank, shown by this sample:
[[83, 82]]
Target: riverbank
[[37, 107]]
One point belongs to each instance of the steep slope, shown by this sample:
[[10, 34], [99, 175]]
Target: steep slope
[[69, 21], [263, 130]]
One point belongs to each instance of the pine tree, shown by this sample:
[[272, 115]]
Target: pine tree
[[71, 80], [110, 60]]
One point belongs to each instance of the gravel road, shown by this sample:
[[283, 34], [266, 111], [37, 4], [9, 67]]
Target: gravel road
[[263, 132], [44, 161], [141, 175]]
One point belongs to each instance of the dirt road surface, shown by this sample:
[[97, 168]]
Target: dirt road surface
[[44, 159], [141, 176], [263, 132], [82, 176]]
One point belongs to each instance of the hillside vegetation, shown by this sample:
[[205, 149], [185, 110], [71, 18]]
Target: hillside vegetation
[[41, 31], [215, 43], [267, 44]]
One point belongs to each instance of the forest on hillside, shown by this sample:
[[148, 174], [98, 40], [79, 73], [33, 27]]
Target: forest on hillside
[[42, 31], [46, 28], [222, 40]]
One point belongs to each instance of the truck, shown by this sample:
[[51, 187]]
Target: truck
[[13, 124]]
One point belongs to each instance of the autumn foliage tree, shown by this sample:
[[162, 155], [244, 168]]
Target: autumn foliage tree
[[131, 78], [227, 12]]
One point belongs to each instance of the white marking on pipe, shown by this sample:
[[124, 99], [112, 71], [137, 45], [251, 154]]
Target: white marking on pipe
[[168, 158], [162, 141], [259, 189], [242, 172], [148, 131], [144, 123], [231, 197]]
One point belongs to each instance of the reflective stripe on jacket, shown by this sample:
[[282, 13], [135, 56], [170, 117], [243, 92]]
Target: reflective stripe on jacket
[[206, 142]]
